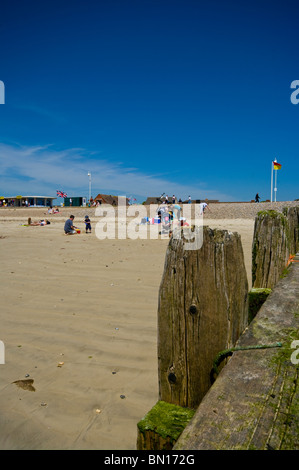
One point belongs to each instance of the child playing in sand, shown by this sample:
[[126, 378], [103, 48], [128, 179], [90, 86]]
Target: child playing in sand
[[87, 224]]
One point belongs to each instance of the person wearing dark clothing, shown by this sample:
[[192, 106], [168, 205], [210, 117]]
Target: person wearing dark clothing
[[87, 224], [257, 198], [69, 228]]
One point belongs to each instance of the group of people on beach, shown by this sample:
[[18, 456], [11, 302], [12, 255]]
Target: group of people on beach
[[71, 229], [166, 212], [169, 216], [166, 200], [53, 210]]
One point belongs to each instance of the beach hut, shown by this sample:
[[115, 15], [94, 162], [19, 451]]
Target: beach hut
[[74, 201], [29, 201]]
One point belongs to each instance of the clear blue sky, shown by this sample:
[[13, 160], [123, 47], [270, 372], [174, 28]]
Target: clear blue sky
[[184, 97]]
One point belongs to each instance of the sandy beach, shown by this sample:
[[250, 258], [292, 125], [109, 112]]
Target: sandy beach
[[78, 320]]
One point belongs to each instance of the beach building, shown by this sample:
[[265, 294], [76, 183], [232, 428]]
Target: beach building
[[27, 201], [76, 201], [108, 199]]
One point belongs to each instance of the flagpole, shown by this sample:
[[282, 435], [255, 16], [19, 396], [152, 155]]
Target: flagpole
[[275, 182], [275, 189], [275, 169], [89, 176], [272, 166]]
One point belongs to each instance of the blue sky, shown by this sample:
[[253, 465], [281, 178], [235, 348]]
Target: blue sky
[[150, 96]]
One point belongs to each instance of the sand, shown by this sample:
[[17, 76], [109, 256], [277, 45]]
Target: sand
[[78, 318]]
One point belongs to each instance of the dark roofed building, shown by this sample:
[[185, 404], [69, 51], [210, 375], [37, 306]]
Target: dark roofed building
[[108, 199], [154, 200]]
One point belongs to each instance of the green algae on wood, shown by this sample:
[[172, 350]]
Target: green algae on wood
[[272, 214], [162, 425], [256, 297], [287, 405]]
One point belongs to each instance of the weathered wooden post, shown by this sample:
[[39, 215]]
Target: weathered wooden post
[[292, 215], [270, 248], [203, 309]]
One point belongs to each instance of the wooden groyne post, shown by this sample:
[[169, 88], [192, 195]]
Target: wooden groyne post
[[276, 236], [292, 215], [203, 309]]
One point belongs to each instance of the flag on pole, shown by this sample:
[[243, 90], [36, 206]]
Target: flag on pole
[[276, 165], [61, 194]]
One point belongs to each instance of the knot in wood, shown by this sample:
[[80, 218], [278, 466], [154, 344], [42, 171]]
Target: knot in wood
[[172, 378], [193, 309]]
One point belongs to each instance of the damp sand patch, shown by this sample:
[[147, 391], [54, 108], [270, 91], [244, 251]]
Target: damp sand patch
[[25, 384]]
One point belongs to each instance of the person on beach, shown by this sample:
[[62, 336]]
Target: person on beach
[[40, 222], [257, 197], [69, 227], [175, 211], [87, 224], [53, 210], [202, 207]]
